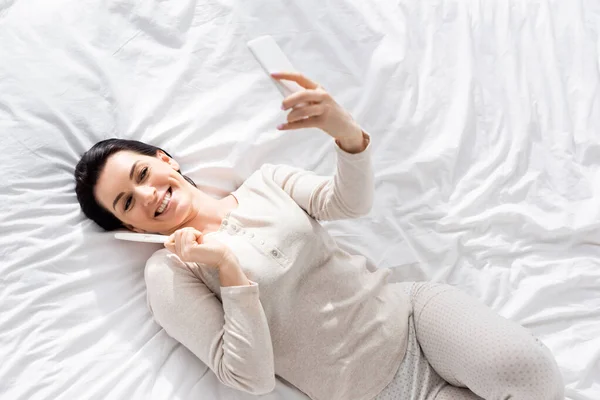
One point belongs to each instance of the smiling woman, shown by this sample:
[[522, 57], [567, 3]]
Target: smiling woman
[[113, 171], [321, 320]]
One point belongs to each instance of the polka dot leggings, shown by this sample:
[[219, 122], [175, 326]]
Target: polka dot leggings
[[459, 349]]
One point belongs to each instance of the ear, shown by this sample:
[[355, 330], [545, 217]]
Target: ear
[[134, 229], [163, 157]]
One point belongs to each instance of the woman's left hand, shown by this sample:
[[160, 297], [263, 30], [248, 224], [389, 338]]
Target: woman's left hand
[[315, 108]]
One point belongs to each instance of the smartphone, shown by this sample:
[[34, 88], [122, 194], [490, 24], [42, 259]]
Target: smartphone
[[272, 59], [141, 237]]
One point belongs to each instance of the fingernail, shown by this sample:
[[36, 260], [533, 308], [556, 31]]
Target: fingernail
[[280, 126], [282, 106]]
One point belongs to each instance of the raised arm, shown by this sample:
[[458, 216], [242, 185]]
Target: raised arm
[[348, 193]]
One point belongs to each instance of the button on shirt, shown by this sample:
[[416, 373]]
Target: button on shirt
[[314, 314]]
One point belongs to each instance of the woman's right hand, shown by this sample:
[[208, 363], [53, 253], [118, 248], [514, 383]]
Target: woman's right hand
[[190, 246]]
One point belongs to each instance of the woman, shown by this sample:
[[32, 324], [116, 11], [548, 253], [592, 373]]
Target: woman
[[321, 320]]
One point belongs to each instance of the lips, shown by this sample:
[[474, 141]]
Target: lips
[[165, 203]]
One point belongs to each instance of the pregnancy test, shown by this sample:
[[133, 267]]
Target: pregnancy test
[[272, 59], [141, 237]]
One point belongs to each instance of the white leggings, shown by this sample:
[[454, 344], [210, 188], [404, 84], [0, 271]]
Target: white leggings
[[460, 349]]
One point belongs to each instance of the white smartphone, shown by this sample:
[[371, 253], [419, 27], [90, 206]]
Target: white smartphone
[[141, 237], [272, 59]]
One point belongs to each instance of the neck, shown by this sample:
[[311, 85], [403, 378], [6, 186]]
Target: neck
[[208, 212]]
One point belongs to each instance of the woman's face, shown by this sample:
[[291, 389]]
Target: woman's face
[[146, 193]]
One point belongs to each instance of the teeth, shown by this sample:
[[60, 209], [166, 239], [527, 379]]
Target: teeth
[[164, 203]]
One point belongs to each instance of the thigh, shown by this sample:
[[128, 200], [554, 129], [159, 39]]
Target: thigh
[[416, 379], [468, 344]]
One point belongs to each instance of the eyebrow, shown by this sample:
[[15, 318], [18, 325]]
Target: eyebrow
[[130, 178]]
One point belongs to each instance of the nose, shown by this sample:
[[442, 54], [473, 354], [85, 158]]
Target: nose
[[147, 195]]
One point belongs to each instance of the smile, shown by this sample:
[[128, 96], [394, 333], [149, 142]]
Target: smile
[[164, 204]]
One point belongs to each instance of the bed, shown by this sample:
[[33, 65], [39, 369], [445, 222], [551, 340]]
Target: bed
[[485, 119]]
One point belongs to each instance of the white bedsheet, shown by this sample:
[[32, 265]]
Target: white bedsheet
[[485, 117]]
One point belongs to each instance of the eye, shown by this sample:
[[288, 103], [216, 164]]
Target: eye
[[143, 173], [127, 203]]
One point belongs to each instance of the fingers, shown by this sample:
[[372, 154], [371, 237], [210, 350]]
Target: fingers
[[309, 107], [170, 244], [178, 242], [188, 239], [304, 97], [296, 77], [301, 113], [183, 241], [312, 122]]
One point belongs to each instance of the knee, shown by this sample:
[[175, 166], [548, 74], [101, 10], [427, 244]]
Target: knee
[[529, 371]]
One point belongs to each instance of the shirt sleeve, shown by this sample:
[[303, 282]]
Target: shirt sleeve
[[346, 194], [232, 338]]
